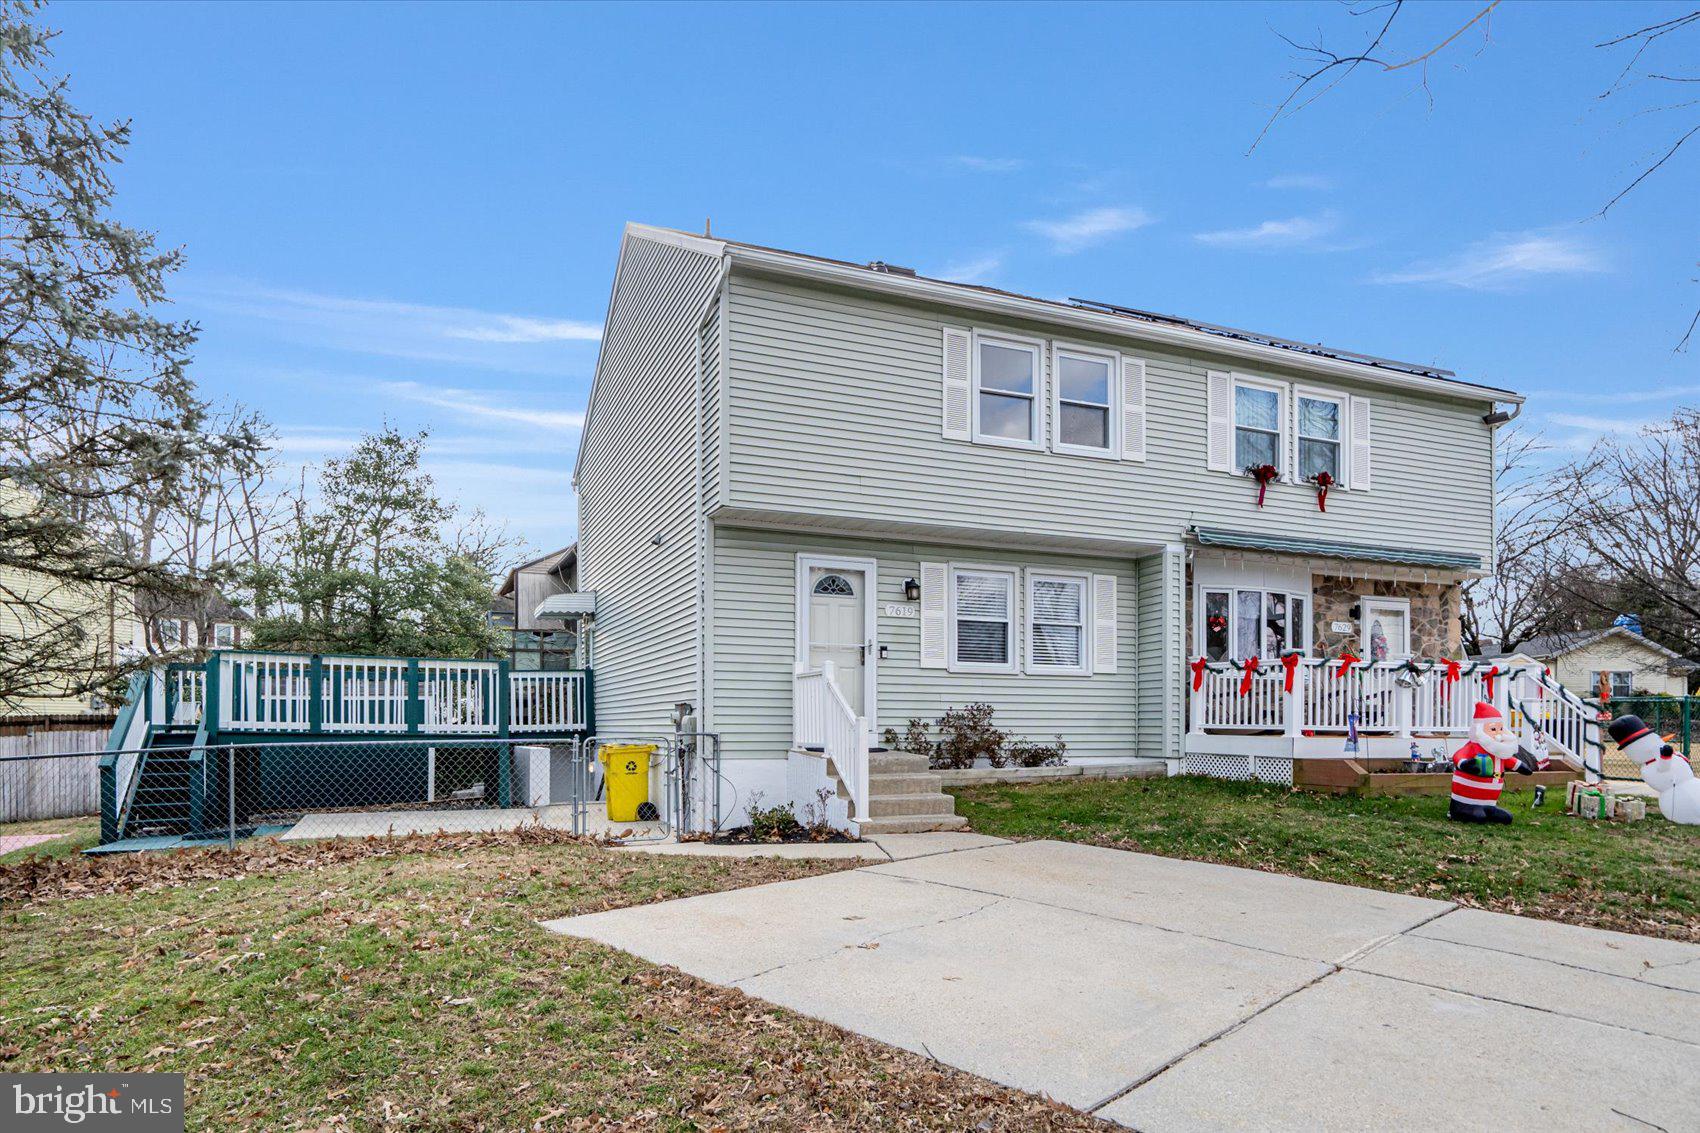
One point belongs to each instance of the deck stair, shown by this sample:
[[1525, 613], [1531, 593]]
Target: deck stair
[[160, 804], [905, 797]]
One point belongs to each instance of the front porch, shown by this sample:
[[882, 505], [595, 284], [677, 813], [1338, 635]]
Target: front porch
[[1257, 719]]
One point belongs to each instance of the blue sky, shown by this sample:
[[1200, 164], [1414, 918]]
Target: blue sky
[[411, 213]]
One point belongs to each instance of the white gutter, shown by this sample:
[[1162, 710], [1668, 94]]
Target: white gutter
[[1120, 326]]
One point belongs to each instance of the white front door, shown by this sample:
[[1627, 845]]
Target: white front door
[[835, 626], [1386, 629]]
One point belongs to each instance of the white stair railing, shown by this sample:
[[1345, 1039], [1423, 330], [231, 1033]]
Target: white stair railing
[[1568, 725], [822, 718]]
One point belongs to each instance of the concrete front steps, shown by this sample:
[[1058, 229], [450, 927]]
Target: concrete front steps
[[905, 797]]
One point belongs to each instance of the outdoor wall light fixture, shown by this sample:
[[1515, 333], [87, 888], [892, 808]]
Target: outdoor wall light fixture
[[911, 590]]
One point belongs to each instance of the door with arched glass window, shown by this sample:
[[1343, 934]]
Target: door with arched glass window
[[836, 625]]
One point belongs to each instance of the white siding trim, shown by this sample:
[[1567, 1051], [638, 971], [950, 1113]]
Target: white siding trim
[[1219, 421], [1104, 623], [957, 375], [1362, 437], [935, 615], [1132, 423]]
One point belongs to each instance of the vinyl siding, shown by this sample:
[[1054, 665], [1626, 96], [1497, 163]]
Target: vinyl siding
[[1575, 670], [104, 612], [835, 413], [1161, 673], [711, 438], [638, 479], [754, 646]]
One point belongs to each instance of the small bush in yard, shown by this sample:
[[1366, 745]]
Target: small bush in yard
[[1026, 753], [966, 734], [773, 823]]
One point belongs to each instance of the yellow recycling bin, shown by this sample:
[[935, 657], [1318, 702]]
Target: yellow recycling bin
[[625, 768]]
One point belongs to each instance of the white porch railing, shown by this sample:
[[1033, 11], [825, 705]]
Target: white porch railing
[[264, 692], [545, 702], [822, 718], [1394, 698]]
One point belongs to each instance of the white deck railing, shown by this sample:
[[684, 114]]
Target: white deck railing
[[264, 692], [1392, 698], [545, 702], [822, 718], [363, 694]]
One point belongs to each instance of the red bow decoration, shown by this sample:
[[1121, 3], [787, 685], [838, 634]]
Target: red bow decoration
[[1291, 663], [1453, 675], [1487, 680], [1323, 480], [1263, 474], [1347, 660], [1198, 668], [1245, 681]]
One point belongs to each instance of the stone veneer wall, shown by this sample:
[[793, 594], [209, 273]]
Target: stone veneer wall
[[1434, 613]]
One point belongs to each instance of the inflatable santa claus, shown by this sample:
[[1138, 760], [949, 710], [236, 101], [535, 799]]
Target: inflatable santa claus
[[1662, 767], [1478, 768]]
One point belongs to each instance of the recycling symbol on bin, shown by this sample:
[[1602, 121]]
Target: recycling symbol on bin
[[631, 767]]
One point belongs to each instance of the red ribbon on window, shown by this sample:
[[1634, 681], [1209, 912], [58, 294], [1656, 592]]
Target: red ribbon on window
[[1198, 668], [1347, 660], [1290, 662], [1487, 680], [1245, 681]]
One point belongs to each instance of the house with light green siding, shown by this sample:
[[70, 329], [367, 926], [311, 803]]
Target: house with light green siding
[[819, 498]]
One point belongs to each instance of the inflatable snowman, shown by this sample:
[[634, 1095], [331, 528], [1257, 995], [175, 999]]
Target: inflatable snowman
[[1662, 768]]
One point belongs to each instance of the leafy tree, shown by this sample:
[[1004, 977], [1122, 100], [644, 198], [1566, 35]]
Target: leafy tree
[[366, 568], [96, 405]]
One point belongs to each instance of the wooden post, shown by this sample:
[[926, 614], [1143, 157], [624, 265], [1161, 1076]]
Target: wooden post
[[211, 716]]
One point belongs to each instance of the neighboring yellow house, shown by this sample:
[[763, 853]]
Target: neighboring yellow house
[[1617, 658], [108, 613]]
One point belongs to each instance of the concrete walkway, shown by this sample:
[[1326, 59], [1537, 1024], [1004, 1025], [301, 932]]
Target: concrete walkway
[[1172, 995]]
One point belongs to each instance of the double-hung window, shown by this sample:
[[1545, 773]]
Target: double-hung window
[[1257, 426], [1086, 401], [1006, 391], [982, 619], [1057, 617], [1321, 424], [224, 635], [1615, 682]]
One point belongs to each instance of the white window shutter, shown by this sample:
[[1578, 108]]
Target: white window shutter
[[1219, 407], [1291, 459], [935, 607], [1133, 409], [1358, 467], [958, 385], [1103, 623]]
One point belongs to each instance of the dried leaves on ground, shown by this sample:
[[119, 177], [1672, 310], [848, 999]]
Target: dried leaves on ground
[[405, 983]]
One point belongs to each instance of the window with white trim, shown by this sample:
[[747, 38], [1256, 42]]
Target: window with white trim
[[1321, 423], [1240, 623], [224, 635], [1258, 432], [1057, 616], [1086, 401], [982, 620], [1006, 391], [170, 631], [1615, 682]]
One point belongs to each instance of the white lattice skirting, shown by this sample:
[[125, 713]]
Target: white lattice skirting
[[1261, 768]]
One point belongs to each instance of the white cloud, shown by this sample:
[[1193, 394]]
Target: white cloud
[[1600, 424], [978, 269], [474, 403], [1503, 261], [1619, 397], [970, 163], [1093, 226], [1315, 181], [415, 331], [1293, 232]]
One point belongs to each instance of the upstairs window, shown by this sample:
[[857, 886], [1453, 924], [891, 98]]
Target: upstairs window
[[1257, 426], [224, 635], [1320, 423], [982, 606], [1085, 410], [1006, 391]]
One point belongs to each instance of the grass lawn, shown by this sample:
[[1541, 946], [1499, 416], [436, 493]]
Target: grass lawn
[[70, 835], [414, 989], [1636, 877]]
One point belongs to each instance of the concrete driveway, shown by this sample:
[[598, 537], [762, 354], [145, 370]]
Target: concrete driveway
[[1175, 995]]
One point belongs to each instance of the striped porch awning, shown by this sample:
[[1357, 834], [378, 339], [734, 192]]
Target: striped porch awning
[[1327, 548]]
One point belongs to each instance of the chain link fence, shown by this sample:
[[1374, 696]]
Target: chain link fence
[[1673, 716], [179, 794]]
